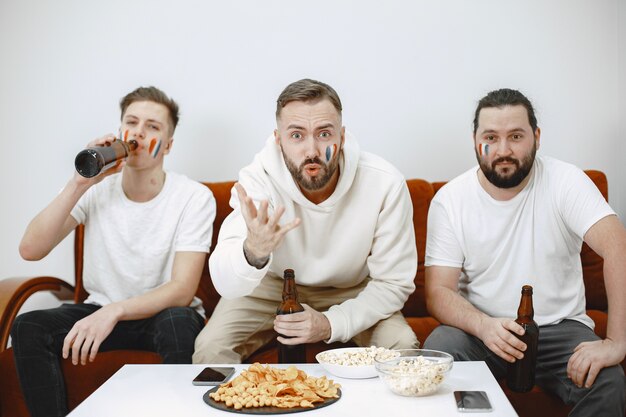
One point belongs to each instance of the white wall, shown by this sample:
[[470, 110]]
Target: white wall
[[409, 74]]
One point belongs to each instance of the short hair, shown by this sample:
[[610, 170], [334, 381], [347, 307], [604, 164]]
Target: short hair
[[151, 94], [307, 90], [506, 97]]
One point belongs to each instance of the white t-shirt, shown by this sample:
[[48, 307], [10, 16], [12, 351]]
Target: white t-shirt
[[535, 238], [363, 230], [129, 246]]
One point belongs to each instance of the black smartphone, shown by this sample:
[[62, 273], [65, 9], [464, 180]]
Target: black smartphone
[[472, 401], [213, 375]]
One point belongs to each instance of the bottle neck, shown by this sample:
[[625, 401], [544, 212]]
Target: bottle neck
[[289, 289], [525, 309]]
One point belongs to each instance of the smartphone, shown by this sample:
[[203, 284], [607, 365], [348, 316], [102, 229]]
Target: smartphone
[[472, 401], [212, 375]]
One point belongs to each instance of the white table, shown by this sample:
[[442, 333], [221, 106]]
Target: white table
[[166, 390]]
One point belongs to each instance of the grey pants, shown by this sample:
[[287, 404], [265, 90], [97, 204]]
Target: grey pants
[[240, 326], [606, 397]]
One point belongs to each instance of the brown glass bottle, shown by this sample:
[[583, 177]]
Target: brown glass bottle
[[92, 161], [521, 374], [290, 304]]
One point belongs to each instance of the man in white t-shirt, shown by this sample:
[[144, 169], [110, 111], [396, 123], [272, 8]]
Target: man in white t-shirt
[[147, 234], [519, 219], [347, 233]]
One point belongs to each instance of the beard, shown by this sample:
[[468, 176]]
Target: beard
[[327, 170], [511, 176]]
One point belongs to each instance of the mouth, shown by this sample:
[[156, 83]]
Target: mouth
[[312, 169]]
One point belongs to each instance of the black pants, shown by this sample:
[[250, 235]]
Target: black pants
[[607, 395], [37, 340]]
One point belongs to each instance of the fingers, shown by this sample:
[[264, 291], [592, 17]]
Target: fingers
[[262, 212], [247, 206], [292, 340], [105, 140], [84, 350], [593, 372], [94, 350], [582, 369], [501, 351], [513, 326], [68, 342]]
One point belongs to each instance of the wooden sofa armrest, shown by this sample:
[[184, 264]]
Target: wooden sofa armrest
[[15, 291]]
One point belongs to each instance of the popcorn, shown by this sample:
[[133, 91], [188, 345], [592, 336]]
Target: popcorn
[[360, 357], [414, 377]]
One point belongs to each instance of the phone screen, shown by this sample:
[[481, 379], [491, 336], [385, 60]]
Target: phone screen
[[472, 401], [213, 375]]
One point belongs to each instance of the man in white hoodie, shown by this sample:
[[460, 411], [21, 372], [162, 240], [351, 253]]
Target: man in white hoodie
[[312, 201]]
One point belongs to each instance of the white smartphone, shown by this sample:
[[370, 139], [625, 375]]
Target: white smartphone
[[472, 401], [213, 375]]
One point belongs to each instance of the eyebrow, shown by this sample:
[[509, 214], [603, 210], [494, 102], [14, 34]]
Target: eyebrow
[[298, 127], [137, 118], [517, 129]]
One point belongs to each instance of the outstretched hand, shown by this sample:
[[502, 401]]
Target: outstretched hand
[[496, 335], [264, 232]]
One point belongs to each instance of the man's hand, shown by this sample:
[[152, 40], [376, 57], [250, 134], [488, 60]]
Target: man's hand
[[105, 140], [264, 232], [589, 358], [85, 337], [307, 326], [496, 335]]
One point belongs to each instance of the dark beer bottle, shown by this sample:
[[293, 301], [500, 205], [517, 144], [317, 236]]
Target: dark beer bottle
[[290, 304], [92, 161], [521, 374]]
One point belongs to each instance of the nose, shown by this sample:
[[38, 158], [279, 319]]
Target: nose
[[137, 131], [503, 148], [311, 148]]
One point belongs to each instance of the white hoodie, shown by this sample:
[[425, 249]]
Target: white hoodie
[[364, 229]]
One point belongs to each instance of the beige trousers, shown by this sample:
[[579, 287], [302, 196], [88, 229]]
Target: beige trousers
[[240, 326]]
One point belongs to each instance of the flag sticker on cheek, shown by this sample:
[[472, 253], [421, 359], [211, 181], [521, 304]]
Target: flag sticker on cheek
[[483, 149], [154, 147], [330, 151]]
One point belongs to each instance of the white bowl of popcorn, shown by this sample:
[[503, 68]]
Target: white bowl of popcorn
[[355, 362], [414, 372]]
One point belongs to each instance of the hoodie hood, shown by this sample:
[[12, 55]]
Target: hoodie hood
[[273, 164]]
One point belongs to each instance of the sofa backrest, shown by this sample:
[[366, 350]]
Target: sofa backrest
[[422, 193]]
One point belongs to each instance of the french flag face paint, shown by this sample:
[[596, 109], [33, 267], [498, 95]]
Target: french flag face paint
[[155, 145], [331, 150], [483, 149]]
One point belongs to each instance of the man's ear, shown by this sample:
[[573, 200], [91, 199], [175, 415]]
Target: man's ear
[[537, 137], [343, 135], [277, 136], [168, 145]]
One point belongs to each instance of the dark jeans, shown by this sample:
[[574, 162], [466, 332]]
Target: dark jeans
[[37, 339], [606, 397]]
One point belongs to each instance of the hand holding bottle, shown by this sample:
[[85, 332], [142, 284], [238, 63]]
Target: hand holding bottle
[[497, 334], [104, 154]]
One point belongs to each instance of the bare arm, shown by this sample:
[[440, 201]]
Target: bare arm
[[54, 222], [449, 307], [85, 337], [608, 239]]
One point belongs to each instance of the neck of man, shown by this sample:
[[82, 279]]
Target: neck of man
[[142, 185], [502, 194], [321, 195]]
